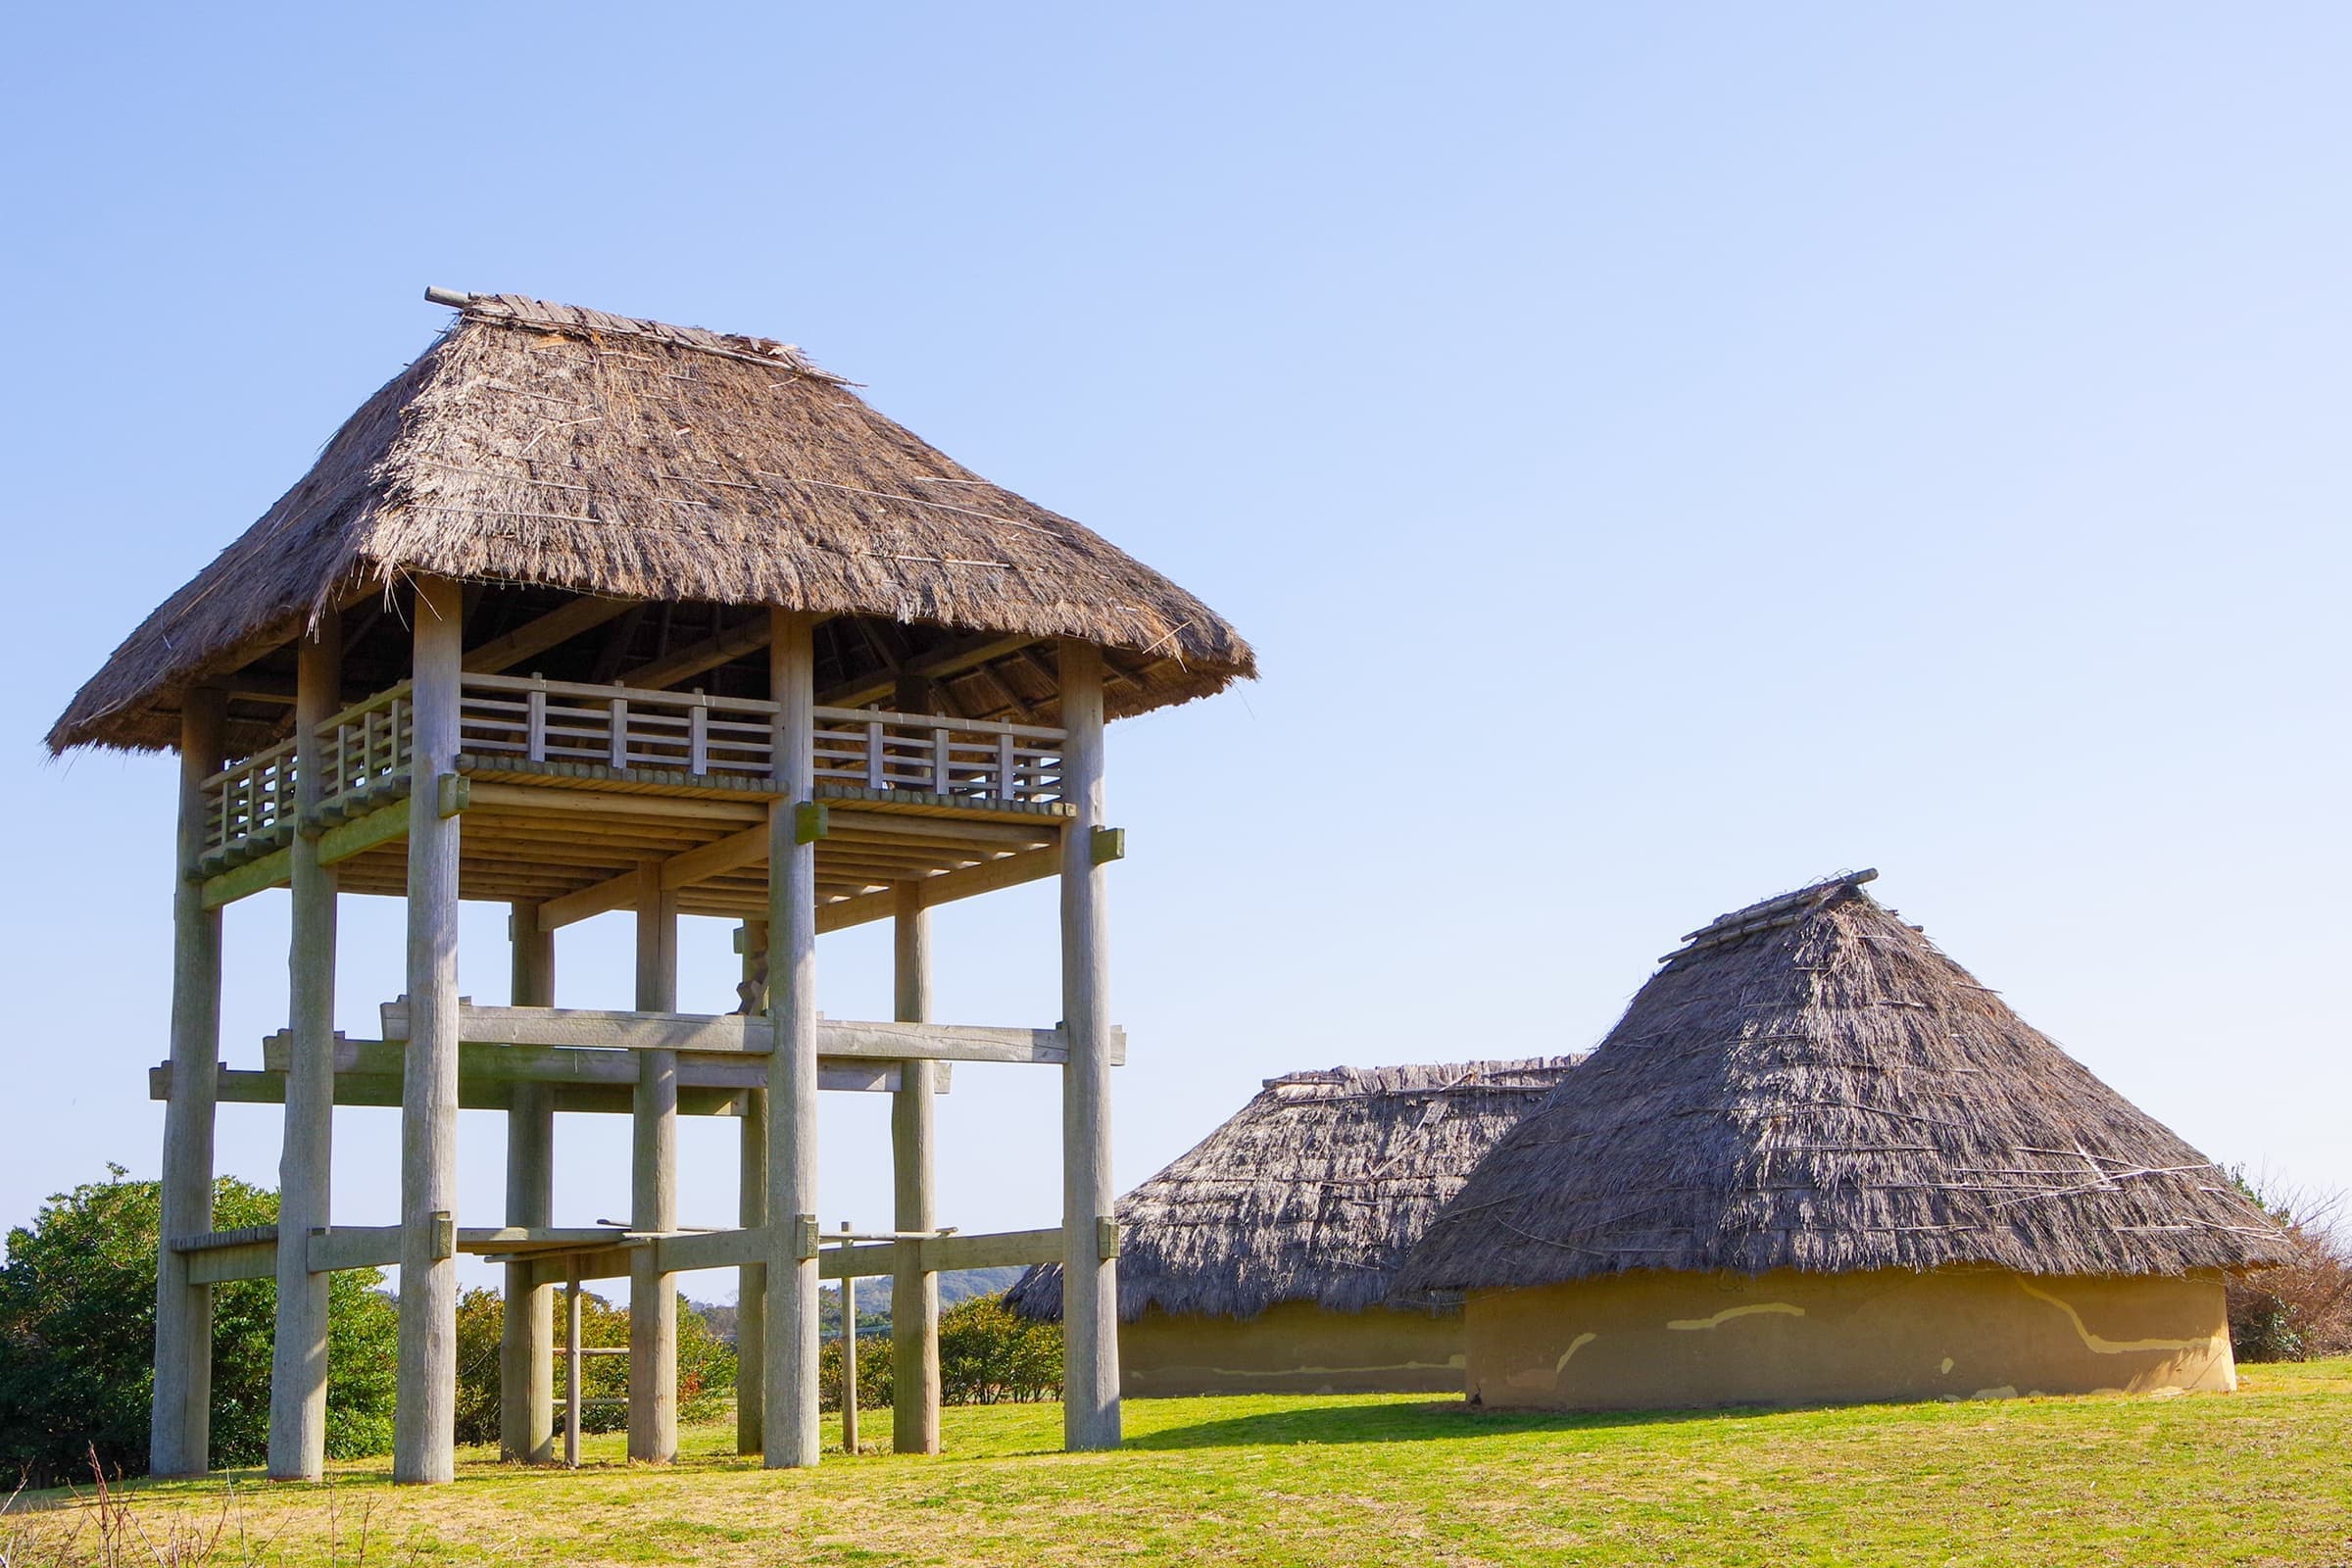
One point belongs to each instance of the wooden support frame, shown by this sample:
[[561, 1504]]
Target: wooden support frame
[[789, 1365], [297, 1441], [741, 1034], [424, 1406], [654, 1187], [1089, 1290], [180, 1412], [526, 1342], [913, 1136], [533, 638]]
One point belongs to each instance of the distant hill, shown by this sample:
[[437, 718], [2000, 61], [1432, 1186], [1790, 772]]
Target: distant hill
[[873, 1300]]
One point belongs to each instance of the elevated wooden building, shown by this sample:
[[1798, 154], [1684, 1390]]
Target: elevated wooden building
[[580, 613], [1815, 1161], [1259, 1260]]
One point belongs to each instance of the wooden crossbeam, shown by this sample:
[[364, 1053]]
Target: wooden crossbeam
[[953, 660], [696, 658], [747, 1034], [947, 887], [683, 870], [684, 1252], [571, 1065], [239, 1086], [536, 637]]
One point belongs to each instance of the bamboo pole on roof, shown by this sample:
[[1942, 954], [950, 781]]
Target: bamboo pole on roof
[[180, 1416], [298, 1354], [793, 1435], [424, 1410]]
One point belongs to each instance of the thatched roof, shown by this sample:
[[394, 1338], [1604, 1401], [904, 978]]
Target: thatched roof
[[1811, 1084], [1313, 1192], [544, 445]]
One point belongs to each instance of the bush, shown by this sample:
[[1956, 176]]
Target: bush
[[2301, 1308], [988, 1355], [77, 1339], [706, 1364], [874, 1372]]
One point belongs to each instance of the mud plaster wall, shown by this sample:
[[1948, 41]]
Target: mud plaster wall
[[1295, 1347], [1659, 1340]]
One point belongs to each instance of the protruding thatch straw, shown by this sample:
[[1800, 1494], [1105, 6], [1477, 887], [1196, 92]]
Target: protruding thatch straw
[[1811, 1084], [545, 445], [1313, 1192]]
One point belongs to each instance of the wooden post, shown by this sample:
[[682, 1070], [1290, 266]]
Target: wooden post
[[1090, 1293], [575, 1381], [425, 1407], [654, 1187], [298, 1356], [793, 1434], [526, 1412], [751, 1212], [849, 1361], [913, 1289], [180, 1434]]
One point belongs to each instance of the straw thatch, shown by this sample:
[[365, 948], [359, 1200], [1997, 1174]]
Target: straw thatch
[[546, 445], [1313, 1192], [1811, 1084]]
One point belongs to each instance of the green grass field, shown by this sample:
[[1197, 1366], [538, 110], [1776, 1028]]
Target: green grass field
[[2262, 1476]]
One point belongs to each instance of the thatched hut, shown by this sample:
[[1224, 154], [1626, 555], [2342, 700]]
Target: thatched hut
[[1815, 1161], [1259, 1262]]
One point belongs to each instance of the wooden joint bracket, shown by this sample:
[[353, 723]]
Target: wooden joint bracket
[[1106, 1238], [803, 1237], [810, 822], [1106, 845], [455, 794], [445, 1235]]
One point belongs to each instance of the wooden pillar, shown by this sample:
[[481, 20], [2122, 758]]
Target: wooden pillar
[[298, 1356], [576, 1374], [913, 1289], [791, 1362], [751, 1280], [526, 1411], [654, 1187], [849, 1361], [425, 1407], [1090, 1293], [180, 1434]]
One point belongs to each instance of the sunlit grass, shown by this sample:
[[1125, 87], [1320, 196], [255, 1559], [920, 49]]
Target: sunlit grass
[[2263, 1476]]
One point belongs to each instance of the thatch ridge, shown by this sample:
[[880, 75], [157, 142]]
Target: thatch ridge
[[1812, 1084], [1313, 1191], [548, 445]]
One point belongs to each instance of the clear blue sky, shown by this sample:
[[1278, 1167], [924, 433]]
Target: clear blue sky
[[1662, 455]]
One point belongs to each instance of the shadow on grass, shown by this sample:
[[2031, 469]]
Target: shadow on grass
[[1413, 1423]]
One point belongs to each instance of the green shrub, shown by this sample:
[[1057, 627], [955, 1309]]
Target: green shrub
[[2301, 1308], [78, 1337], [706, 1364], [874, 1366], [988, 1355]]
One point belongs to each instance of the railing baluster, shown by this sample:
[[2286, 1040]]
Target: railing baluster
[[698, 736], [1008, 782], [941, 771], [619, 752], [874, 771]]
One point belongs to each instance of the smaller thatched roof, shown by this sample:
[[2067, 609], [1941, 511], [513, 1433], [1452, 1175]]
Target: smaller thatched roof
[[553, 447], [1811, 1084], [1313, 1192]]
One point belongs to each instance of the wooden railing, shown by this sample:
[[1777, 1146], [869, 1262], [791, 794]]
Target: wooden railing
[[961, 757], [614, 726], [623, 728]]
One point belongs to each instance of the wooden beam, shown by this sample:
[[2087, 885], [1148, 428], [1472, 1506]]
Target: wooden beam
[[696, 658], [683, 870], [535, 637], [1030, 865], [967, 654], [735, 1033], [541, 800], [1089, 1295]]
